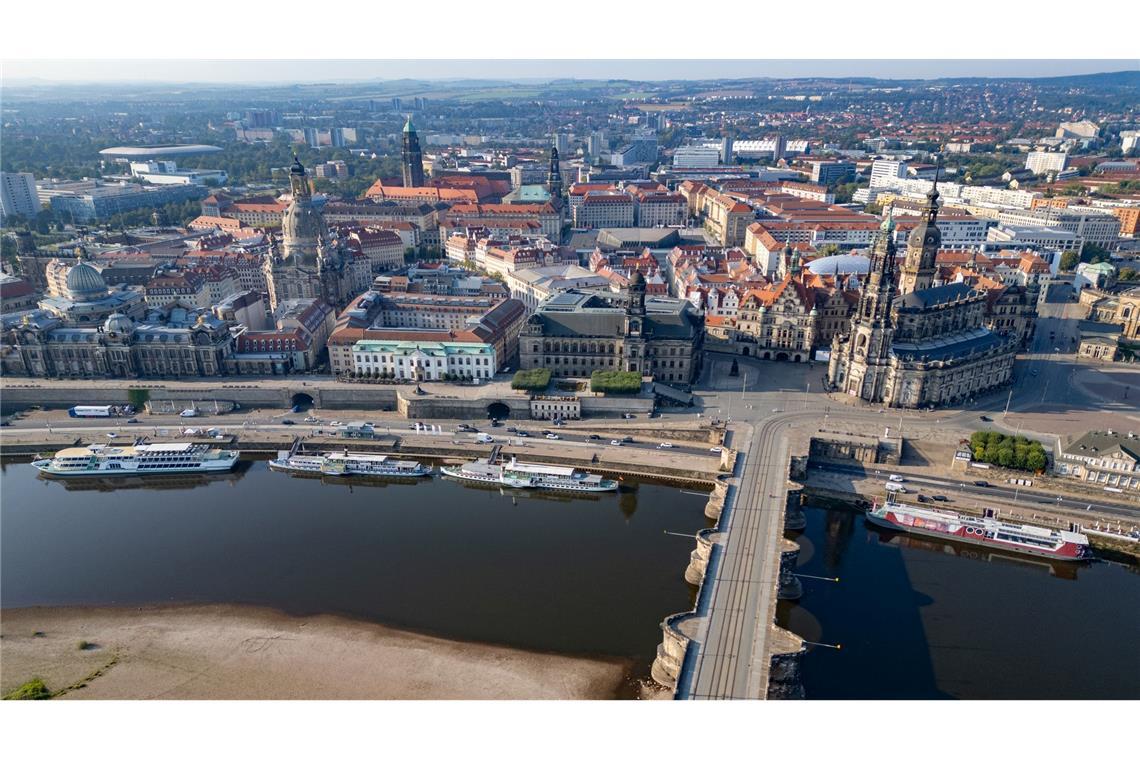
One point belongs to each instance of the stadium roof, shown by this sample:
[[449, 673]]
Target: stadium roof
[[154, 151]]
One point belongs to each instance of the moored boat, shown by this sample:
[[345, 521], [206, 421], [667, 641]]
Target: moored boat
[[515, 474], [136, 459], [347, 463], [1065, 545]]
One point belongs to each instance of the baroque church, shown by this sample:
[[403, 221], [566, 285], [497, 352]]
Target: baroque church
[[310, 261], [920, 342]]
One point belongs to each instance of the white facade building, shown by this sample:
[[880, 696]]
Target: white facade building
[[696, 157], [1043, 162], [883, 172], [423, 360], [18, 195]]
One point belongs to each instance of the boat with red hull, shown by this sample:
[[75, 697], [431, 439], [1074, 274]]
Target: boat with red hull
[[1065, 545]]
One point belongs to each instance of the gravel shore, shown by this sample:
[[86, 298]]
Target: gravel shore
[[237, 652]]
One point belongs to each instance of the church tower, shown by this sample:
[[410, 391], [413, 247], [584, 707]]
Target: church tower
[[922, 247], [412, 157], [554, 176], [860, 363]]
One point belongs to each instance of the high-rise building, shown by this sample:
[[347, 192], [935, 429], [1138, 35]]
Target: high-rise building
[[18, 195], [726, 154], [883, 172], [1043, 162], [562, 142], [778, 148], [596, 145], [412, 157]]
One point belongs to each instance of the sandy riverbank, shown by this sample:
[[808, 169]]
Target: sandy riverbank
[[234, 652]]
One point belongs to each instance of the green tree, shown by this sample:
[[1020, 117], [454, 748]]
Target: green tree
[[1069, 260], [138, 397]]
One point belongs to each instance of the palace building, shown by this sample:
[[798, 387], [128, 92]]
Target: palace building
[[576, 332]]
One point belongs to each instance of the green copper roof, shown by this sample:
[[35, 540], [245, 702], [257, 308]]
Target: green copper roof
[[408, 125]]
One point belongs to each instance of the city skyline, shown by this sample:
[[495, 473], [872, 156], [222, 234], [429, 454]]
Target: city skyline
[[269, 72]]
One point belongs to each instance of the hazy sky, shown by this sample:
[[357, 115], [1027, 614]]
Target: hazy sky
[[277, 71]]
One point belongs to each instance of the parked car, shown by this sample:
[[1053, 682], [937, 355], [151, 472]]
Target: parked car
[[715, 450], [627, 439], [664, 445], [939, 497], [982, 483], [984, 418], [552, 436], [133, 421], [897, 479], [512, 430], [895, 488], [288, 422], [615, 442], [923, 499], [595, 437], [524, 434]]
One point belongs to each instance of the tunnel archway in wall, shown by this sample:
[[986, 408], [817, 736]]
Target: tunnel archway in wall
[[302, 400], [498, 410], [781, 357]]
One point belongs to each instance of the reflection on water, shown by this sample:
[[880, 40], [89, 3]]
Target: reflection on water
[[178, 481], [575, 573], [1066, 570], [920, 618]]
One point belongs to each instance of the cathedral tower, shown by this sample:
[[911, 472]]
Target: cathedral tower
[[922, 247], [859, 364], [412, 157]]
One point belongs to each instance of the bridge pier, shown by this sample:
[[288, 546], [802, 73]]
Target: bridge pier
[[785, 673], [794, 518], [666, 668], [699, 557], [715, 504], [789, 585]]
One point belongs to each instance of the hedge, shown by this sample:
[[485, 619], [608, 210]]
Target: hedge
[[1014, 452], [615, 381], [531, 379]]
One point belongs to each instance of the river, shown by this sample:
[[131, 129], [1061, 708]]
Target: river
[[577, 575], [918, 618]]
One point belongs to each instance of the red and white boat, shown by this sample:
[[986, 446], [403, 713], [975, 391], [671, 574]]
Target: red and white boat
[[985, 531]]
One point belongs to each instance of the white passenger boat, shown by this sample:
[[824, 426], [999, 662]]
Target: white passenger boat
[[138, 459], [515, 474], [348, 463]]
